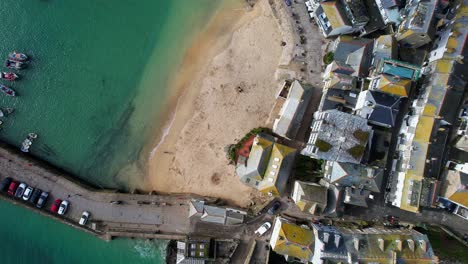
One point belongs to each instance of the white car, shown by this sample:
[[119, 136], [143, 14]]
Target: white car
[[27, 193], [84, 218], [63, 207], [263, 228]]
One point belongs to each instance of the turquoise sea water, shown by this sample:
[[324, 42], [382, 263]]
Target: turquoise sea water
[[27, 237], [97, 78], [92, 92]]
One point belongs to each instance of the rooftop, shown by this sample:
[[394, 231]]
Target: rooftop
[[379, 108], [338, 136]]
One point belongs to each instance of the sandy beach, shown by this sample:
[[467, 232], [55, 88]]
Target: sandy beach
[[241, 49]]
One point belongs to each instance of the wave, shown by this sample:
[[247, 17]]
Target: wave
[[166, 131]]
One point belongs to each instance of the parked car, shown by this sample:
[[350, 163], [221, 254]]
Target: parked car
[[27, 193], [55, 206], [12, 188], [274, 208], [263, 228], [35, 196], [63, 207], [84, 218], [21, 188], [42, 199], [5, 183]]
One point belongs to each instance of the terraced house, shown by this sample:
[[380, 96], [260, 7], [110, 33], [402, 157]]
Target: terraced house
[[418, 27], [340, 17], [424, 135], [332, 244]]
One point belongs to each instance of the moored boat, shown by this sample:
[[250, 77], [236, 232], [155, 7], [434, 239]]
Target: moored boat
[[6, 111], [7, 90], [28, 142], [9, 76], [17, 65], [17, 56]]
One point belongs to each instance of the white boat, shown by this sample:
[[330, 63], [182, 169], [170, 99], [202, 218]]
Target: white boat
[[28, 142]]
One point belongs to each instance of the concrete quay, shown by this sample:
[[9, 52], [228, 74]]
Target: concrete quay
[[137, 215]]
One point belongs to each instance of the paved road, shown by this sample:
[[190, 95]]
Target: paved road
[[165, 214]]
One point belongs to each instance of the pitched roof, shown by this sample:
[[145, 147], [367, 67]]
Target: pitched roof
[[348, 174], [385, 47], [332, 11], [379, 108], [455, 187], [214, 214], [310, 197], [268, 166], [292, 240], [357, 53], [391, 85], [293, 110]]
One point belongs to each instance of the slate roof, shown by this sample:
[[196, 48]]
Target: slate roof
[[338, 99], [214, 214], [368, 245], [355, 52], [357, 197], [338, 131], [348, 174], [379, 108]]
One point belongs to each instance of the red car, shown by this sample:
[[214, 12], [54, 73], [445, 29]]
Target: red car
[[12, 188], [56, 206]]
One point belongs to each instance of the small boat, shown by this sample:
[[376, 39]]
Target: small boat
[[16, 56], [9, 76], [28, 142], [6, 111], [7, 90], [17, 65]]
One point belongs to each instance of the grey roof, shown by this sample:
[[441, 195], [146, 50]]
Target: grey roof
[[376, 21], [339, 132], [420, 15], [355, 196], [390, 3], [214, 214], [379, 108], [347, 244], [355, 10], [338, 99], [311, 193], [257, 162], [355, 52], [348, 174], [234, 218], [293, 110], [385, 47], [196, 207]]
